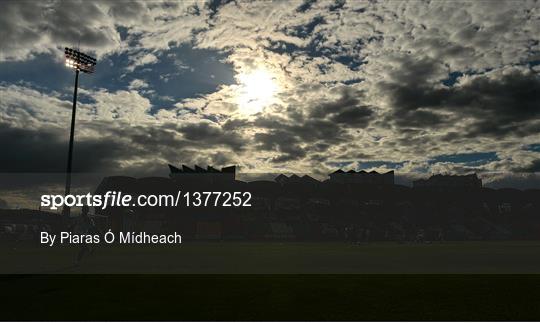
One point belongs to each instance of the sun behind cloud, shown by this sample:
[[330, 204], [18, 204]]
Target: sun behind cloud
[[257, 90]]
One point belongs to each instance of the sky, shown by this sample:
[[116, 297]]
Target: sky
[[419, 87]]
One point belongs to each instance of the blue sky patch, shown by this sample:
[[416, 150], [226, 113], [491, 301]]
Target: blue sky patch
[[532, 147], [470, 159], [379, 163], [452, 78], [179, 73]]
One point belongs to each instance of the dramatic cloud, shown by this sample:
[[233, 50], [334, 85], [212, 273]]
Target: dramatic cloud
[[416, 86]]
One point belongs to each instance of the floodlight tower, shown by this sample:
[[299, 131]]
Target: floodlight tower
[[86, 64]]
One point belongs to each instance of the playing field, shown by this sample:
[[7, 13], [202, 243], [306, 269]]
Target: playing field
[[503, 257], [275, 281], [270, 297]]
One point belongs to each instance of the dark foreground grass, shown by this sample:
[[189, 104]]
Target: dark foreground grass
[[271, 297], [191, 257]]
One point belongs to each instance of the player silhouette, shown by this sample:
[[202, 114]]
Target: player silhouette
[[85, 225]]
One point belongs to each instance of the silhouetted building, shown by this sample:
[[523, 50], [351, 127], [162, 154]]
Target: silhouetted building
[[449, 181], [301, 208], [306, 179], [362, 177], [208, 175]]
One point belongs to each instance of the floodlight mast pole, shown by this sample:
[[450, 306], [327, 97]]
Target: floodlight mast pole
[[80, 62], [66, 209]]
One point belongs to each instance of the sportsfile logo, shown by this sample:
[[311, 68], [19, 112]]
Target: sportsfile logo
[[119, 199]]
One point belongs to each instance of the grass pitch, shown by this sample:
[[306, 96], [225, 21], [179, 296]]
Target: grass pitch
[[504, 257], [271, 297], [237, 281]]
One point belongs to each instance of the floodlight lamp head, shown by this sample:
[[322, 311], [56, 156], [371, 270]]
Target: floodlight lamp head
[[79, 61]]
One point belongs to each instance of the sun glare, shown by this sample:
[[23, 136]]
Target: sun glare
[[257, 90]]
